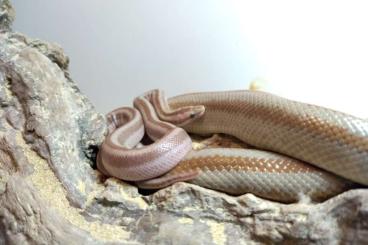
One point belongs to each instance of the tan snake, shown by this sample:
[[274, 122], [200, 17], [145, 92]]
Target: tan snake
[[293, 133], [125, 130]]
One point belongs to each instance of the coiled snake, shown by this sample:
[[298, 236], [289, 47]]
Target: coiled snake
[[301, 148]]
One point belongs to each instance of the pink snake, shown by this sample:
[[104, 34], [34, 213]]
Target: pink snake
[[302, 149]]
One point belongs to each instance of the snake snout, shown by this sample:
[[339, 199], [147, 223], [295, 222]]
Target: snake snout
[[192, 114], [197, 112]]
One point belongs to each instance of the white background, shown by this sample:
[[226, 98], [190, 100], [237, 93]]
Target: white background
[[313, 51]]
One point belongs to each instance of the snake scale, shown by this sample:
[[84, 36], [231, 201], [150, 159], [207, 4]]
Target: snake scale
[[301, 148]]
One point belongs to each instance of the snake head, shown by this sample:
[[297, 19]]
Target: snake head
[[189, 114], [178, 116]]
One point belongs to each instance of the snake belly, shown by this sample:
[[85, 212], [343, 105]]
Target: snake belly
[[328, 139]]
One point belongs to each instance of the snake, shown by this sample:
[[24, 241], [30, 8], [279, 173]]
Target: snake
[[299, 148], [118, 155]]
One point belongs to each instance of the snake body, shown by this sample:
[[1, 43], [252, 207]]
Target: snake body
[[328, 139], [297, 134], [118, 156], [239, 171]]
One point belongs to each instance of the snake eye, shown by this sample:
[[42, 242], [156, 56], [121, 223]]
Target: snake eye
[[189, 114]]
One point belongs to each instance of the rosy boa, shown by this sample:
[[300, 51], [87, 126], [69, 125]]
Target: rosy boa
[[302, 149]]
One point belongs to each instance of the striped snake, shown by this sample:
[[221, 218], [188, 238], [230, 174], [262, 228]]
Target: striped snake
[[301, 149]]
